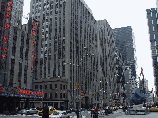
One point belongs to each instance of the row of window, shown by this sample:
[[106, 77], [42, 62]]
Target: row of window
[[61, 95], [50, 86]]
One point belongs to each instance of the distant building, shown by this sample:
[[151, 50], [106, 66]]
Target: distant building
[[124, 41]]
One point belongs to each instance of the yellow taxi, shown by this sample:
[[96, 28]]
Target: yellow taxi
[[51, 110], [115, 108], [152, 109]]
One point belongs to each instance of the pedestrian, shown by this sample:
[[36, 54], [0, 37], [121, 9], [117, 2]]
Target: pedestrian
[[77, 112], [45, 112], [96, 112]]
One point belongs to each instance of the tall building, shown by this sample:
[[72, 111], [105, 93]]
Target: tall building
[[153, 31], [126, 46], [11, 14], [14, 41], [107, 62], [71, 44]]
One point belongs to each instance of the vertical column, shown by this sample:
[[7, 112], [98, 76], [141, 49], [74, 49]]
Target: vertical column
[[58, 105]]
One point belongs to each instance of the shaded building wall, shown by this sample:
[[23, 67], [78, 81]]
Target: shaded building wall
[[153, 32]]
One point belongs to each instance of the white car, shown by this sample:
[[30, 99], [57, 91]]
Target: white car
[[23, 111], [31, 111], [59, 114]]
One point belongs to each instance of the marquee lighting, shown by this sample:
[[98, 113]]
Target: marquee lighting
[[6, 27], [33, 43]]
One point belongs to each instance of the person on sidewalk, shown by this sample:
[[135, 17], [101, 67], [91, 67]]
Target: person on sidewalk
[[45, 112], [96, 112], [77, 112]]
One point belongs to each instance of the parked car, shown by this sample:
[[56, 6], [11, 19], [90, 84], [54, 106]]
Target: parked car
[[31, 111], [59, 114], [51, 110]]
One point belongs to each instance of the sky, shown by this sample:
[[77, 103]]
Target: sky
[[123, 13]]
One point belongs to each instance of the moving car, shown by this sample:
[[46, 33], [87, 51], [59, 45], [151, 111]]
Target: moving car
[[153, 109], [59, 114], [108, 110], [115, 108], [51, 110], [30, 111], [120, 107]]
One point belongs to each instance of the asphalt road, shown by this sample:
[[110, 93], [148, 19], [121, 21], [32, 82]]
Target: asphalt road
[[87, 114]]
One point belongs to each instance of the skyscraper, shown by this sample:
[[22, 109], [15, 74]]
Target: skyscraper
[[71, 44], [153, 31], [11, 18], [125, 45]]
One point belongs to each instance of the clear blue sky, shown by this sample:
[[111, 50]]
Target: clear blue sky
[[122, 13]]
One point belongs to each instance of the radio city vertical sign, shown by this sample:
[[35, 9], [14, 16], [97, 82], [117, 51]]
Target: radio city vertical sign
[[33, 42], [6, 32]]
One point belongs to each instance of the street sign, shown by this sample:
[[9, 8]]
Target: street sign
[[82, 93]]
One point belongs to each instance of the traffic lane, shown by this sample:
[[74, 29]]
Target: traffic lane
[[19, 116], [122, 115]]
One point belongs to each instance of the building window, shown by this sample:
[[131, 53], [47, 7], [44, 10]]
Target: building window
[[50, 95], [56, 95], [45, 86], [50, 86], [64, 87], [60, 86], [40, 87], [36, 86], [56, 86], [45, 95], [60, 95], [63, 95]]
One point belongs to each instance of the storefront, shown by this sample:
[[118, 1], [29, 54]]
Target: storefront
[[10, 98]]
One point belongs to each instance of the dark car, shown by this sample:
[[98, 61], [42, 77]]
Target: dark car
[[108, 110], [69, 110]]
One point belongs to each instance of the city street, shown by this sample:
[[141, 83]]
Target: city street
[[87, 114]]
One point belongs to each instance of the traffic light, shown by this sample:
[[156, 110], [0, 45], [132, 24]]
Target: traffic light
[[77, 85], [96, 92], [19, 87]]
